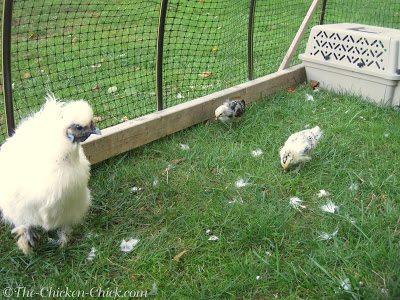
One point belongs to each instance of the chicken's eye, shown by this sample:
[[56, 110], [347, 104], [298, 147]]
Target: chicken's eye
[[78, 127]]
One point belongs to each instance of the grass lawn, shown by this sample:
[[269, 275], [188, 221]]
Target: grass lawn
[[266, 248]]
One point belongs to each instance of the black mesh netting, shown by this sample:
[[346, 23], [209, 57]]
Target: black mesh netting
[[106, 51]]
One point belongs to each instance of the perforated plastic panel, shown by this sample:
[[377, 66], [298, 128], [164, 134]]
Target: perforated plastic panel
[[364, 53]]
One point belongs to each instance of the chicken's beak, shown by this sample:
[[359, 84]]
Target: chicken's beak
[[95, 130]]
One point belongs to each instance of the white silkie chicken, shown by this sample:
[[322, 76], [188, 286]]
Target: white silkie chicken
[[230, 110], [299, 147], [44, 173]]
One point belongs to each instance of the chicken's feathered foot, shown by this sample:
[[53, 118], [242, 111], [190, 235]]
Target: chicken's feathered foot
[[26, 238]]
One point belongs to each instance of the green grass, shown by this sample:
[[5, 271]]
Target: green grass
[[264, 236]]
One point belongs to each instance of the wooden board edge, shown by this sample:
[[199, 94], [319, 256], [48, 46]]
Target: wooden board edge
[[140, 131]]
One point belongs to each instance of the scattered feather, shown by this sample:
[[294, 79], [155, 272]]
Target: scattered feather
[[135, 189], [178, 257], [129, 245], [184, 147], [258, 277], [330, 207], [345, 284], [353, 187], [236, 200], [256, 153], [268, 253], [386, 135], [213, 238], [179, 96], [324, 236], [112, 89], [96, 66], [154, 290], [241, 183], [323, 194], [156, 183], [295, 202], [75, 39], [309, 97], [209, 231], [92, 254], [26, 75]]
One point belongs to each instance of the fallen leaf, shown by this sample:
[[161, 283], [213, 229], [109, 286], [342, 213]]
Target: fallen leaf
[[26, 75], [214, 50], [291, 89], [124, 119], [96, 88], [75, 39], [178, 160], [314, 84], [213, 238], [178, 257], [206, 74], [32, 36], [97, 119]]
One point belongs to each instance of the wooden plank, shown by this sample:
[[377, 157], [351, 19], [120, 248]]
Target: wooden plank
[[137, 132], [299, 35]]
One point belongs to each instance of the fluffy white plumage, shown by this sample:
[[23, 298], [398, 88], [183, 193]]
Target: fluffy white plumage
[[44, 172], [299, 147], [230, 110]]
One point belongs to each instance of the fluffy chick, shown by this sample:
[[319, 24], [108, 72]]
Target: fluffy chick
[[299, 147], [231, 110], [44, 172]]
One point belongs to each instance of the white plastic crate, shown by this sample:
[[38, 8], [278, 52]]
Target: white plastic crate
[[357, 59]]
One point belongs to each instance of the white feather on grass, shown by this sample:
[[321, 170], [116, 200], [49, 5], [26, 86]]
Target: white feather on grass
[[323, 194], [330, 207], [309, 97], [238, 200], [324, 236], [213, 238], [296, 203], [353, 187], [257, 152], [129, 245], [241, 183], [345, 284], [184, 147], [92, 254]]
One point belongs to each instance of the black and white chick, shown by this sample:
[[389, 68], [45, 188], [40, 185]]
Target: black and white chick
[[299, 147], [230, 111], [44, 173]]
